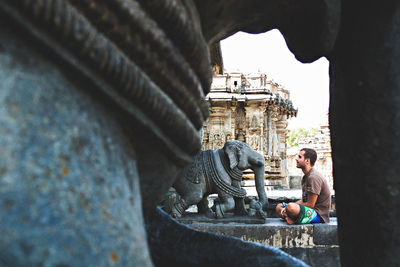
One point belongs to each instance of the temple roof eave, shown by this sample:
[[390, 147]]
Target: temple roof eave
[[270, 99], [223, 96]]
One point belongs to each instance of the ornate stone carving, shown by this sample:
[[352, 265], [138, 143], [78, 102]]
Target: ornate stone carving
[[218, 171], [260, 122]]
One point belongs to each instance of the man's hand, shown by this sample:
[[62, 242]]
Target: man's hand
[[283, 213]]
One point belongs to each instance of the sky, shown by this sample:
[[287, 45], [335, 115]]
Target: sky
[[268, 53]]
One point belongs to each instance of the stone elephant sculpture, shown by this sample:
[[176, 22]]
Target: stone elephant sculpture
[[101, 103], [220, 172]]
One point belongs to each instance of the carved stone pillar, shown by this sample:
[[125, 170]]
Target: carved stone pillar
[[262, 110], [281, 130], [240, 124], [254, 116], [216, 126], [232, 109]]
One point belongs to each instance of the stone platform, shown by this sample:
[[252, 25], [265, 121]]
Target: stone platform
[[315, 244]]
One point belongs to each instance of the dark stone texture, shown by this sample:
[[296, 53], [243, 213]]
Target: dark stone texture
[[219, 172], [189, 218], [365, 130], [320, 234], [310, 27], [212, 250], [75, 112], [326, 234], [318, 256], [68, 186], [315, 244], [260, 233]]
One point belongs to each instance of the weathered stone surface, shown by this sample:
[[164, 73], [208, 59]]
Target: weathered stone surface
[[365, 131], [74, 110], [211, 249], [326, 234], [190, 218], [317, 256], [310, 27], [68, 186], [315, 244], [275, 226]]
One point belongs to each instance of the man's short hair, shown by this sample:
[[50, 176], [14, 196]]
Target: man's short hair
[[311, 154]]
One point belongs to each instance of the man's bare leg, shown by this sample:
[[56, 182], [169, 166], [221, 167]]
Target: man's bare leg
[[292, 211]]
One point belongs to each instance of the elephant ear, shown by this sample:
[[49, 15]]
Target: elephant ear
[[231, 153]]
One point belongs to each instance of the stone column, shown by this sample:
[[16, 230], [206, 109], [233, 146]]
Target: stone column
[[281, 130], [365, 127], [232, 109], [262, 109]]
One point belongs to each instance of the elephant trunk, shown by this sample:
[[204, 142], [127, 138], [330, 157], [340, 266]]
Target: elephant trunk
[[260, 184]]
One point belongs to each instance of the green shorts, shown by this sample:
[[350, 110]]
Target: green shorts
[[308, 215]]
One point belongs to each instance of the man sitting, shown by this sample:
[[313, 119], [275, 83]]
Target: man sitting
[[316, 196]]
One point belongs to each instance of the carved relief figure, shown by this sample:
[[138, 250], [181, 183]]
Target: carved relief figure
[[240, 120], [253, 124], [218, 140], [254, 141]]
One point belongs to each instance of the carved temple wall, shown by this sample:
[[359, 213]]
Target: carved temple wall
[[251, 109]]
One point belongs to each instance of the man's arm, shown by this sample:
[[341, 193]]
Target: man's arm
[[311, 200], [292, 214]]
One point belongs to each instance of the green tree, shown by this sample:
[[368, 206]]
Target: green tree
[[294, 135]]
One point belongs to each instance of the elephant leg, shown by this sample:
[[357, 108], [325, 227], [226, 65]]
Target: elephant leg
[[226, 204], [178, 202], [177, 205], [239, 202], [188, 247], [240, 207], [188, 194], [203, 207]]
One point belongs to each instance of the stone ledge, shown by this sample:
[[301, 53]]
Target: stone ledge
[[315, 244], [326, 234], [277, 233]]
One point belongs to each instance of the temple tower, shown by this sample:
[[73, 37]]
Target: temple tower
[[254, 110]]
